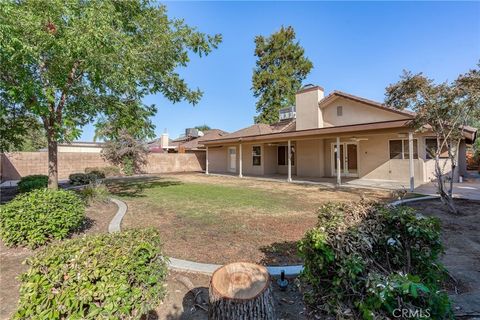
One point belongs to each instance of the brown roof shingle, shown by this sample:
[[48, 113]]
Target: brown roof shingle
[[369, 102], [196, 143]]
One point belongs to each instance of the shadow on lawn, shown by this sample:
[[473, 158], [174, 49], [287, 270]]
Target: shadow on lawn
[[280, 253], [134, 187], [194, 307]]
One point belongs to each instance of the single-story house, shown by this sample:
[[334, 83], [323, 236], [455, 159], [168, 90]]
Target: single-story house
[[191, 141], [340, 135], [79, 146]]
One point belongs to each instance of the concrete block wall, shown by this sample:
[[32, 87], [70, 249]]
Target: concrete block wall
[[15, 165]]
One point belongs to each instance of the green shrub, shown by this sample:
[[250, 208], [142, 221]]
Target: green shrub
[[34, 218], [94, 192], [128, 167], [110, 276], [29, 183], [110, 171], [98, 174], [363, 260], [82, 178]]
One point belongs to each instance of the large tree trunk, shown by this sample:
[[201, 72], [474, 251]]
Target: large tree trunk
[[241, 291], [52, 161]]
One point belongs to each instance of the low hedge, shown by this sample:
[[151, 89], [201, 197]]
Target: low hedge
[[94, 192], [366, 260], [34, 218], [110, 276], [83, 178], [110, 171], [29, 183]]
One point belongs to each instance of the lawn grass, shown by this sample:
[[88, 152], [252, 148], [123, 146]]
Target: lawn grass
[[224, 219], [205, 201]]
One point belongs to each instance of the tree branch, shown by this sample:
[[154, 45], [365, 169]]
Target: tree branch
[[68, 84]]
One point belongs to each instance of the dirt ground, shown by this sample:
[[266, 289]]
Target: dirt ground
[[11, 259], [461, 239], [186, 302], [237, 234]]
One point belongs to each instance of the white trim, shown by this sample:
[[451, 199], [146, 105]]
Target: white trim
[[240, 162], [333, 159], [411, 168], [289, 160], [229, 160], [206, 160], [403, 148], [261, 155]]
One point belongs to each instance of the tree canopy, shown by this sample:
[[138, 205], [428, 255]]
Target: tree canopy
[[203, 127], [67, 62], [445, 109], [280, 69]]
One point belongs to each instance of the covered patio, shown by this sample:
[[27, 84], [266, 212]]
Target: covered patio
[[329, 182], [353, 155]]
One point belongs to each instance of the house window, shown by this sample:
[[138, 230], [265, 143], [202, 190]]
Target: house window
[[257, 155], [399, 149], [283, 155], [405, 149], [339, 111], [431, 149]]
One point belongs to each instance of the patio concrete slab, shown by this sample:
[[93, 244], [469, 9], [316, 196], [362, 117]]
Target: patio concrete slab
[[328, 182], [469, 189]]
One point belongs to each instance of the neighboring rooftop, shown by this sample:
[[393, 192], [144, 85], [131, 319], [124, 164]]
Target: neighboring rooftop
[[262, 128], [189, 142], [196, 143]]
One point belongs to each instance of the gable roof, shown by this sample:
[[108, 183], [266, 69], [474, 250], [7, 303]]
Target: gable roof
[[262, 128], [390, 124], [289, 125], [340, 94]]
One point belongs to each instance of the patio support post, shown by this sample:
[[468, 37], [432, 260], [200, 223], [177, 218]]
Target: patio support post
[[240, 167], [410, 161], [206, 160], [289, 179], [339, 172]]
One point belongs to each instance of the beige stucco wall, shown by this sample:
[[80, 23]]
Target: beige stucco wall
[[217, 159], [270, 159], [314, 158], [462, 159], [374, 159], [310, 158], [354, 113], [247, 163], [308, 113]]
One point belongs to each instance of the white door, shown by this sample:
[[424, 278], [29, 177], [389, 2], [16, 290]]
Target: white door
[[232, 159], [348, 159]]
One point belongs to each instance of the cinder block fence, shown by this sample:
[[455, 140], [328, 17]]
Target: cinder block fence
[[15, 165]]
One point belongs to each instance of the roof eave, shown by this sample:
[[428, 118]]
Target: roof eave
[[316, 131], [339, 94]]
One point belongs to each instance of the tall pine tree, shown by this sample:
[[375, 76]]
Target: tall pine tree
[[280, 69]]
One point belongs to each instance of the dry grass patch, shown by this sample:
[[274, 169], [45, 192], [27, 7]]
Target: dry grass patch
[[221, 219]]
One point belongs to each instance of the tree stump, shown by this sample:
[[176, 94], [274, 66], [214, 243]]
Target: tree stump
[[241, 291]]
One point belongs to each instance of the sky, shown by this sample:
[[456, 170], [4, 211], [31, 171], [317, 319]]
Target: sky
[[356, 47]]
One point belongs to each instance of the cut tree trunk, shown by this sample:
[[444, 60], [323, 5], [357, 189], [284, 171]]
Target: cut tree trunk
[[241, 291]]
